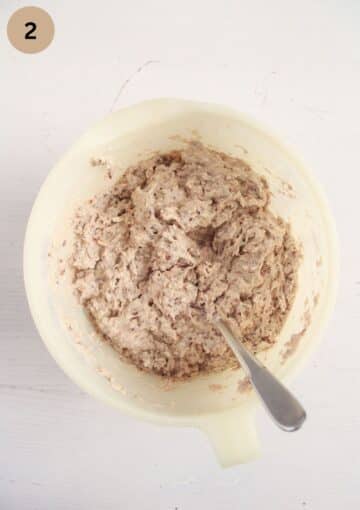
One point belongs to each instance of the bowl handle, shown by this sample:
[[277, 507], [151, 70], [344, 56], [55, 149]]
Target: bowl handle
[[233, 436]]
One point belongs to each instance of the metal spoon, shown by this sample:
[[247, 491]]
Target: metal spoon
[[285, 410]]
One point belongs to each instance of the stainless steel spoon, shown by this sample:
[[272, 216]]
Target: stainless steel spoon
[[282, 406]]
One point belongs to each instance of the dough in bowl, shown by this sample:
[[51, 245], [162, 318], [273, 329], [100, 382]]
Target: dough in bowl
[[180, 239]]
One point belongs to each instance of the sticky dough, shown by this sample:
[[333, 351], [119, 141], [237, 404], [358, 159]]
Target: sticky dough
[[177, 241]]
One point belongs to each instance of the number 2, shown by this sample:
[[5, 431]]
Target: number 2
[[32, 29]]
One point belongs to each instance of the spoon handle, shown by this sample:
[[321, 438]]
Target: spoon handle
[[282, 406]]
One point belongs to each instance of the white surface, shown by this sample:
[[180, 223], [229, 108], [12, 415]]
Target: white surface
[[294, 66]]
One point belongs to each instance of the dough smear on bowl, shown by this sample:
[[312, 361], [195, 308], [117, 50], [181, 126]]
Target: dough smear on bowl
[[179, 239]]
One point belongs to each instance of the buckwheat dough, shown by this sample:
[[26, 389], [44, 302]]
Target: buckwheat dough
[[179, 239]]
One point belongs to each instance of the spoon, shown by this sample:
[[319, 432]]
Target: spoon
[[282, 406]]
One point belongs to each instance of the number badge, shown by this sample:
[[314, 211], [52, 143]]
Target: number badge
[[30, 29]]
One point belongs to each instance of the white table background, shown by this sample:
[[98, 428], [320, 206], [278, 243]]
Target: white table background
[[294, 66]]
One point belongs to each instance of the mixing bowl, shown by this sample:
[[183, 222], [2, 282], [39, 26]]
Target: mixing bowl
[[221, 404]]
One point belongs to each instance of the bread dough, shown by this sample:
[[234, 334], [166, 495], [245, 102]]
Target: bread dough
[[178, 240]]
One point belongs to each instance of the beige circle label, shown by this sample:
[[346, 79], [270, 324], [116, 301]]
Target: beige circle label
[[30, 29]]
